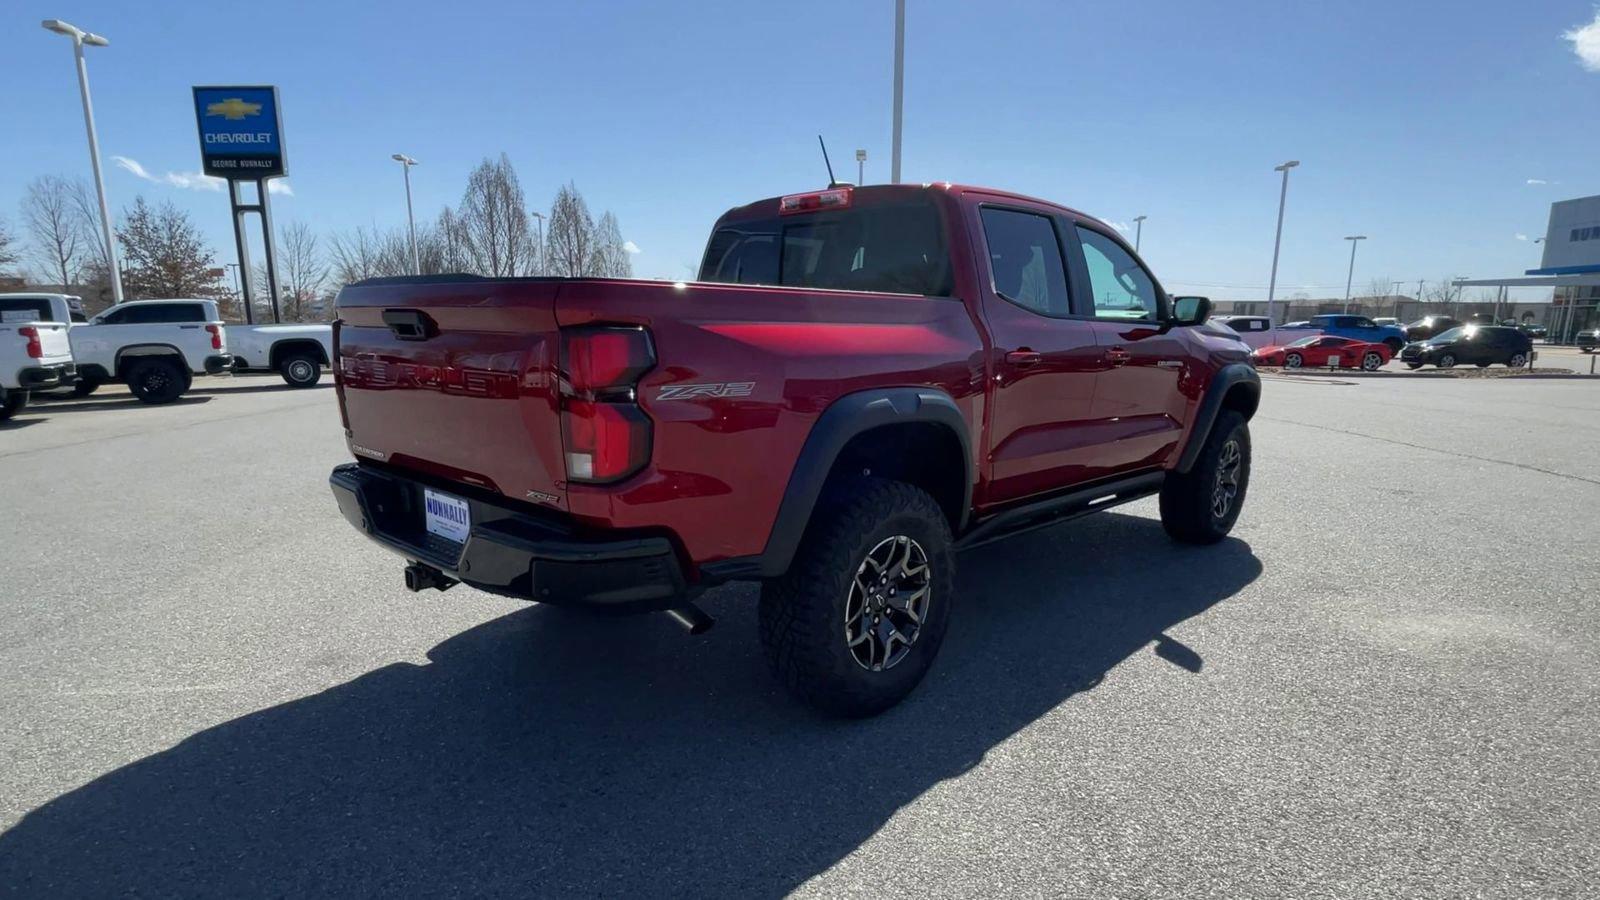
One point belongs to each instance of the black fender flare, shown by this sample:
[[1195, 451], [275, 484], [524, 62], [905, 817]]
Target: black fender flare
[[151, 348], [846, 417], [1205, 415]]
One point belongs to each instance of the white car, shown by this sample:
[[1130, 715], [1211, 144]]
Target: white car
[[35, 352], [155, 346], [1257, 331], [297, 352]]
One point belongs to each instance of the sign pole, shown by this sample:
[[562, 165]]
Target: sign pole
[[243, 247], [266, 236]]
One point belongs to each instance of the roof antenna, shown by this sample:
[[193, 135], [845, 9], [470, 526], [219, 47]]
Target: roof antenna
[[831, 182]]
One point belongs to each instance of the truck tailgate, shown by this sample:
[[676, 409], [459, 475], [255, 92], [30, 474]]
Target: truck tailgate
[[54, 342], [455, 379]]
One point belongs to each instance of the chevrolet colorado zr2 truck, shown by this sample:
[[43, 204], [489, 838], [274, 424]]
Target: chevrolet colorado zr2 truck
[[862, 382]]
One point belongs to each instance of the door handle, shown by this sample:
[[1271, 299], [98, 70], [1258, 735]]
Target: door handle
[[1118, 356], [1023, 358]]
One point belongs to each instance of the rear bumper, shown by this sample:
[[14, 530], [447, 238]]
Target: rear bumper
[[47, 376], [512, 552], [219, 363]]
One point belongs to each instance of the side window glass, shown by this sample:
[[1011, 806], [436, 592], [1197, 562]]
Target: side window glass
[[1122, 289], [1025, 259], [120, 317]]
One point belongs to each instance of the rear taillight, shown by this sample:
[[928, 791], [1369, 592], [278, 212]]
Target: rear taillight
[[607, 435], [216, 336], [35, 349]]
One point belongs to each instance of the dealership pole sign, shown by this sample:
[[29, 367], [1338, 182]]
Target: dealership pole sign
[[241, 139], [241, 134]]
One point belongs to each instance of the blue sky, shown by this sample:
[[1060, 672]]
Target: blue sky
[[1441, 132]]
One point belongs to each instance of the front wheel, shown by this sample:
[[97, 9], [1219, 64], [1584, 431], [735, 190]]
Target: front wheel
[[157, 380], [1201, 505], [855, 623], [1517, 360], [1293, 361], [300, 371], [1372, 362]]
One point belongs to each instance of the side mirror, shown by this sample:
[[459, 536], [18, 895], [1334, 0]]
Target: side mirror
[[1190, 310]]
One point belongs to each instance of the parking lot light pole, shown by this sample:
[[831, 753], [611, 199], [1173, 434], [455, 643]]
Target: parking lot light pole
[[861, 167], [1350, 276], [79, 38], [1138, 231], [899, 86], [1277, 241], [406, 163], [539, 216]]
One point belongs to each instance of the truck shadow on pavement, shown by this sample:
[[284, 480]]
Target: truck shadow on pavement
[[549, 752]]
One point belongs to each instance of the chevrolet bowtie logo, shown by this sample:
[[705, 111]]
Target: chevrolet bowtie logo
[[233, 109]]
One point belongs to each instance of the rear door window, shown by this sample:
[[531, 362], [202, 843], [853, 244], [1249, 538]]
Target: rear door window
[[25, 309], [1025, 260]]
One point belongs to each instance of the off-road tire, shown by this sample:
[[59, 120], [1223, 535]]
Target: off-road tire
[[300, 370], [1187, 508], [802, 613], [157, 379]]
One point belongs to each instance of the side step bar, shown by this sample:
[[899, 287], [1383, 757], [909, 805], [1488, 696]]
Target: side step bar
[[1060, 508]]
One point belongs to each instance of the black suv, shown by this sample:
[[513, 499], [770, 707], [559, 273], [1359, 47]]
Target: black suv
[[1588, 340], [1431, 326], [1480, 345]]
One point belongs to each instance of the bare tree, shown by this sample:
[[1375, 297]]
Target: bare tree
[[609, 255], [302, 272], [447, 251], [571, 239], [165, 254], [363, 254], [53, 226], [494, 222], [8, 247]]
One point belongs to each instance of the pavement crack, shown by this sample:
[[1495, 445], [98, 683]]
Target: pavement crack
[[1455, 453]]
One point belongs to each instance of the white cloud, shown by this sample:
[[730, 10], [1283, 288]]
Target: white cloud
[[1521, 236], [1586, 43], [1537, 181], [190, 181], [1120, 226], [630, 246]]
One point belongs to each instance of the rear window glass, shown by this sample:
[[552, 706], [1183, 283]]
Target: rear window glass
[[894, 248], [25, 309]]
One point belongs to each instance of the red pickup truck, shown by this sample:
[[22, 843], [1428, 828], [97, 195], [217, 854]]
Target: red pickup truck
[[862, 382]]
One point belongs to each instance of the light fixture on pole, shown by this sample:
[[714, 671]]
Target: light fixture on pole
[[1138, 231], [899, 86], [1277, 241], [1352, 238], [79, 38], [861, 167], [406, 163]]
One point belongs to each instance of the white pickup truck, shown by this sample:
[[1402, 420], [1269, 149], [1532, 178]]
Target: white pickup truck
[[155, 346], [35, 352], [297, 352]]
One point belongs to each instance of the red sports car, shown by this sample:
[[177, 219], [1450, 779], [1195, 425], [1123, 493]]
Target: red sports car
[[1320, 350]]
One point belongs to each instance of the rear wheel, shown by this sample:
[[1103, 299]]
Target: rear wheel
[[300, 371], [1372, 361], [12, 402], [1447, 361], [156, 380], [86, 386], [1201, 505], [855, 623], [1293, 361]]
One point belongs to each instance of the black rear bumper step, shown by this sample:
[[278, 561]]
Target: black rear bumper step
[[513, 553]]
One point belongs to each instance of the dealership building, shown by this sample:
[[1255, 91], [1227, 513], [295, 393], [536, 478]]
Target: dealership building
[[1570, 267]]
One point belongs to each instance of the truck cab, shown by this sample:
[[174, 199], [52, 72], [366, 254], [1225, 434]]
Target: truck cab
[[156, 347]]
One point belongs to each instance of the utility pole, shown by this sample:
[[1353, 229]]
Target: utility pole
[[1349, 277], [899, 85], [1277, 241]]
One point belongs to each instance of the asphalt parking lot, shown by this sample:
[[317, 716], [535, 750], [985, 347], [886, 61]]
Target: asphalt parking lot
[[1386, 684]]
